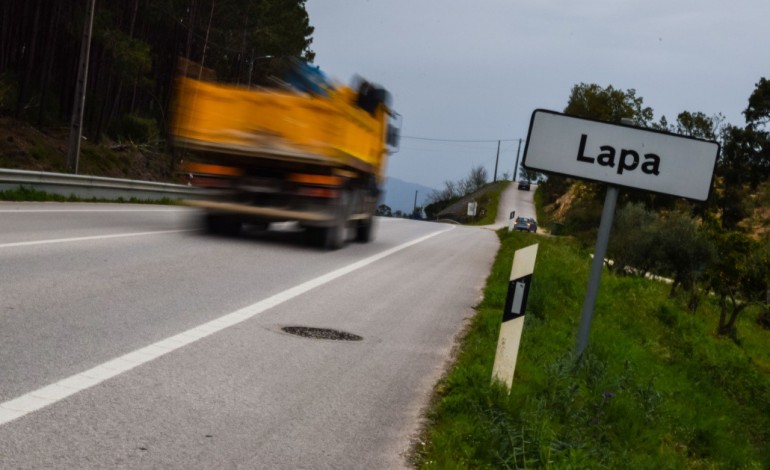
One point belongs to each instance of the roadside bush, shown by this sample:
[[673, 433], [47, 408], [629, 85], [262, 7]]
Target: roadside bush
[[633, 239], [763, 319], [8, 91], [582, 220], [432, 209], [135, 128]]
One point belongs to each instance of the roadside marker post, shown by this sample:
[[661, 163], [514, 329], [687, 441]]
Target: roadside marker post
[[513, 317]]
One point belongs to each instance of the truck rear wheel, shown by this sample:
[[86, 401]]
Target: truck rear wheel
[[365, 230], [328, 238], [222, 224], [334, 236]]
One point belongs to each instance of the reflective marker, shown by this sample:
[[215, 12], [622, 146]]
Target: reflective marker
[[513, 316]]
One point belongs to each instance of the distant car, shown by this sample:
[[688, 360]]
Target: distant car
[[524, 185], [525, 223]]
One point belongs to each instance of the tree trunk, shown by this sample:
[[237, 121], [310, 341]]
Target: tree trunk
[[674, 285], [5, 37], [727, 326], [694, 302], [722, 314], [30, 63], [100, 89], [115, 105], [133, 19], [190, 29], [48, 59], [737, 309], [206, 41], [101, 114]]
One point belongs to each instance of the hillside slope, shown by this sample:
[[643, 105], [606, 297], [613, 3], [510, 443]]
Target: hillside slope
[[25, 147]]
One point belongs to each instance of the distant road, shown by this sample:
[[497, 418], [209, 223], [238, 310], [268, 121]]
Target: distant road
[[515, 199], [130, 340]]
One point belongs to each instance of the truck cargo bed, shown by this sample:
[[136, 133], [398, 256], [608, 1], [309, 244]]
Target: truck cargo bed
[[279, 124]]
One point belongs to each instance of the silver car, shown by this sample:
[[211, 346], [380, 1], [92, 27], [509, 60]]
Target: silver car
[[525, 223]]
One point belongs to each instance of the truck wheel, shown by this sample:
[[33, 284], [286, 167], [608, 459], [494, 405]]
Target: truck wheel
[[365, 230], [334, 236], [222, 224], [328, 238]]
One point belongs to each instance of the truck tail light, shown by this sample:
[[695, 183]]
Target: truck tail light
[[316, 180], [211, 170], [326, 193]]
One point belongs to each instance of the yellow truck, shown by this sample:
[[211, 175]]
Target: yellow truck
[[308, 151]]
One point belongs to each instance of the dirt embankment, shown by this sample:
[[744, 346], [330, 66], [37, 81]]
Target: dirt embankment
[[25, 147], [459, 210]]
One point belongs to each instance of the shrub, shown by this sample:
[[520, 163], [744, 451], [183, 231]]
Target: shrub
[[8, 91], [136, 129]]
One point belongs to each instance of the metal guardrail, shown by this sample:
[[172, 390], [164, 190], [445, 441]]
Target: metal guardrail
[[88, 187]]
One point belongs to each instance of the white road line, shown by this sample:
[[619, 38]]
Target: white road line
[[94, 237], [50, 394]]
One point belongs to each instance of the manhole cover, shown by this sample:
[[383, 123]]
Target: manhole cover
[[321, 333]]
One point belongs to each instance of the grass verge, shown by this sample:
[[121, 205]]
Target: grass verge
[[544, 219], [655, 389], [24, 193], [488, 202]]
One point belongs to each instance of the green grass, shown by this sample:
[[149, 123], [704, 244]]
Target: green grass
[[24, 193], [655, 389], [544, 219], [489, 202]]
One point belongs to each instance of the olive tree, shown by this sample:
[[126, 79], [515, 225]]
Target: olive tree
[[739, 276], [633, 243], [684, 251]]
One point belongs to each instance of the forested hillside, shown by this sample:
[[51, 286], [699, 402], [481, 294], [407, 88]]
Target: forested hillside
[[135, 52]]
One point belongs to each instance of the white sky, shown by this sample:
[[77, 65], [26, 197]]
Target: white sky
[[476, 69]]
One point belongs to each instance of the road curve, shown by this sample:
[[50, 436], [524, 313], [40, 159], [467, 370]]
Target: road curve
[[172, 340], [513, 199]]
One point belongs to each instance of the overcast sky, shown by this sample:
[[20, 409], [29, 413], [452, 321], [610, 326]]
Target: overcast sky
[[476, 69]]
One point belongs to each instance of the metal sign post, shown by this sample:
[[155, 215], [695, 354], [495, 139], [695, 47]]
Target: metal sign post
[[595, 276]]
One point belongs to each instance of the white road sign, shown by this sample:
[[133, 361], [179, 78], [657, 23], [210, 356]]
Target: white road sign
[[621, 155]]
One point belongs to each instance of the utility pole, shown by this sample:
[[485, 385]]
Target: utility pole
[[206, 41], [251, 66], [251, 63], [76, 124], [497, 159], [516, 168], [414, 206]]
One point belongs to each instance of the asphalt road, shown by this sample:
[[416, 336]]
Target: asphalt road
[[516, 200], [128, 339]]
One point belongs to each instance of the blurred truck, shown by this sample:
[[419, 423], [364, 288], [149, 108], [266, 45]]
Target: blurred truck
[[307, 151]]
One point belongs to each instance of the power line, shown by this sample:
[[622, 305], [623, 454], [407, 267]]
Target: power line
[[457, 140]]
